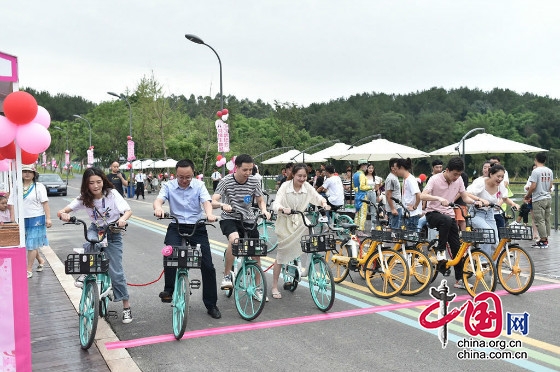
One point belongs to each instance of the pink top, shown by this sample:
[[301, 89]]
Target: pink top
[[438, 186], [5, 216]]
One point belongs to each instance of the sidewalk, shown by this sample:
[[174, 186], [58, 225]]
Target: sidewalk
[[55, 344]]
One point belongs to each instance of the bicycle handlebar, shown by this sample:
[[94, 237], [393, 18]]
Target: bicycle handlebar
[[303, 218], [253, 224], [76, 221], [200, 222]]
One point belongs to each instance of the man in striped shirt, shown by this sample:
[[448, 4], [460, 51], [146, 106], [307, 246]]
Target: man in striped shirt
[[236, 190]]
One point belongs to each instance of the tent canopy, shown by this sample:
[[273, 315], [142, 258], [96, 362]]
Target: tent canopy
[[294, 156], [379, 150], [485, 143], [337, 148]]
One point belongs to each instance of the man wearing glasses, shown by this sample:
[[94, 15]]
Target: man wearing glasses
[[188, 198]]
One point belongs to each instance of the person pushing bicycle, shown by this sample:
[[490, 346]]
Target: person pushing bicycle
[[440, 191], [188, 198]]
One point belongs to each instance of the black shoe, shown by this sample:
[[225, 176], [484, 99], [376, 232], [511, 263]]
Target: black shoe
[[165, 296], [214, 312]]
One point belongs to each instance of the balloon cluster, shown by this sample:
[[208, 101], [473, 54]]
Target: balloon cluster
[[223, 114], [25, 123], [221, 161]]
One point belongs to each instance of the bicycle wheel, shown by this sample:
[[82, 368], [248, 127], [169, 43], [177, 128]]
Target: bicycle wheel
[[365, 246], [386, 273], [249, 281], [267, 233], [479, 273], [515, 271], [181, 296], [420, 272], [229, 292], [339, 220], [429, 250], [338, 269], [321, 284], [104, 302], [88, 317]]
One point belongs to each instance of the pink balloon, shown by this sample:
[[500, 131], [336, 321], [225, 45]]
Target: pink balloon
[[33, 138], [43, 117], [4, 165], [218, 164], [8, 130]]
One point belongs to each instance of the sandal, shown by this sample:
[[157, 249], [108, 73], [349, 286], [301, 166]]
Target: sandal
[[276, 294]]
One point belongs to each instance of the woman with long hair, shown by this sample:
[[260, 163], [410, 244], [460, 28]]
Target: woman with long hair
[[294, 195], [104, 205]]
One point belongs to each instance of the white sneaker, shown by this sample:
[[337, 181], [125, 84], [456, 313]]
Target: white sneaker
[[127, 315], [461, 285], [440, 255], [515, 223], [226, 282], [259, 295], [79, 283]]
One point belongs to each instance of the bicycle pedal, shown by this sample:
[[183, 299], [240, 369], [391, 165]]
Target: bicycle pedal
[[195, 284], [112, 314], [441, 266]]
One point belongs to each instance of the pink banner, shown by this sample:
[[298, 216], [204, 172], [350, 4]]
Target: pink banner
[[67, 157], [131, 156], [90, 156], [15, 338], [223, 136]]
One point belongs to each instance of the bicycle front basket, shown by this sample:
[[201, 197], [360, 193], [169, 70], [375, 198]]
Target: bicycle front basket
[[518, 232], [249, 247], [91, 263], [482, 236], [183, 257], [387, 236], [414, 235], [317, 243]]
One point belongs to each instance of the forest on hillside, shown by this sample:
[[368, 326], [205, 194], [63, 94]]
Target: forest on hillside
[[179, 126]]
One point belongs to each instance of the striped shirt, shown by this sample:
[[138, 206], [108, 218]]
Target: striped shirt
[[238, 195]]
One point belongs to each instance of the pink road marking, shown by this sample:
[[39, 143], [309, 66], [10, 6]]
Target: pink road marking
[[292, 321]]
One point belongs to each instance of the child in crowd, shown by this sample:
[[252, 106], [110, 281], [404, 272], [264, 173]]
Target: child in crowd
[[4, 211]]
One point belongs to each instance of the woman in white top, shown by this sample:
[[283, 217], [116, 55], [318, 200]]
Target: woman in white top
[[104, 205], [294, 195], [493, 190]]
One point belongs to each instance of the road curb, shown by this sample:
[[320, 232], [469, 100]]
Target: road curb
[[117, 360]]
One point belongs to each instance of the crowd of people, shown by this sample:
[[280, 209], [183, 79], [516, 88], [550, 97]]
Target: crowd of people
[[298, 186]]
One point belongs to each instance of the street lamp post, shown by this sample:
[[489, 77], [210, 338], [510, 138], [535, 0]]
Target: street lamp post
[[195, 39], [123, 97]]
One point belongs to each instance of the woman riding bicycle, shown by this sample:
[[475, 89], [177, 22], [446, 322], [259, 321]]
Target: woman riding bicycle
[[294, 195], [490, 188], [104, 205]]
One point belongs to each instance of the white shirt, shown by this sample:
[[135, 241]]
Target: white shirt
[[110, 206], [33, 203], [140, 177], [335, 190], [410, 189]]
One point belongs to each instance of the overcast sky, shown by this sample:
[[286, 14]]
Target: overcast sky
[[299, 51]]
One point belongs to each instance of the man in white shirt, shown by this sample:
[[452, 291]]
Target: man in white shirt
[[140, 178], [332, 187], [216, 177]]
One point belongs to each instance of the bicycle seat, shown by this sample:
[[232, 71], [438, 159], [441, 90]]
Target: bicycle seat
[[350, 226]]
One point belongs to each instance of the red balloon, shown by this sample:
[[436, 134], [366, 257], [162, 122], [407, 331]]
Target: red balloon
[[2, 157], [28, 158], [20, 107], [219, 113], [129, 166], [129, 138], [9, 151], [422, 177], [225, 111], [219, 157]]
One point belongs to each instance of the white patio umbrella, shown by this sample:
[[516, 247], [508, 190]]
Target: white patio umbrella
[[294, 156], [379, 150], [485, 143], [169, 163], [337, 148]]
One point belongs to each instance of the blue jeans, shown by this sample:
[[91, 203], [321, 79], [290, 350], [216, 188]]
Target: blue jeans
[[113, 252], [412, 222], [209, 288], [485, 220], [395, 221]]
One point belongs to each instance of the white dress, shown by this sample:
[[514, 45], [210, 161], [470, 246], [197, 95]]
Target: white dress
[[290, 227]]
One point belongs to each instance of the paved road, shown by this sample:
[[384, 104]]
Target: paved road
[[360, 333]]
